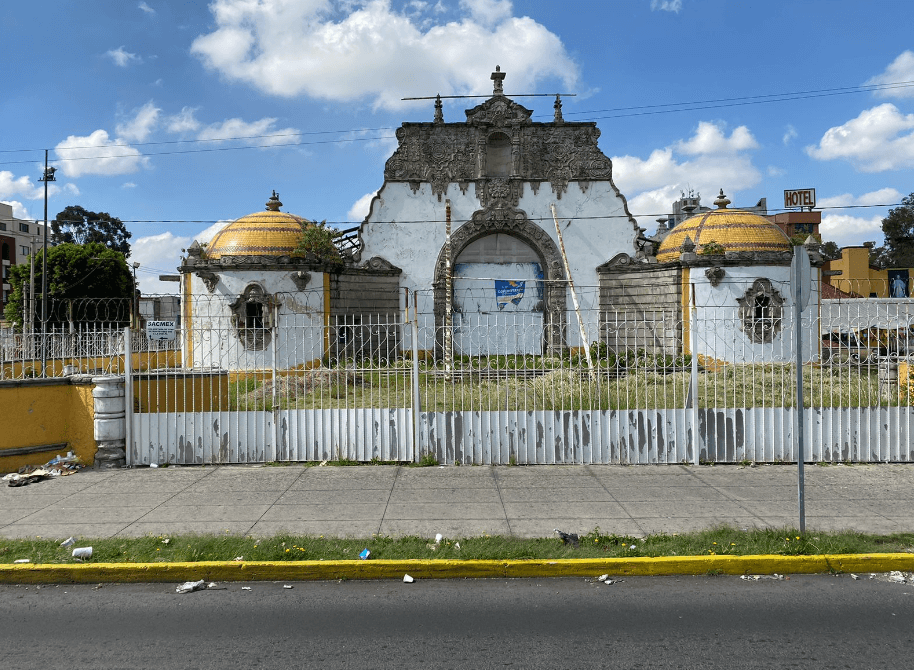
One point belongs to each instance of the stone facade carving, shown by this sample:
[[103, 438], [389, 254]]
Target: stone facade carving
[[443, 153], [380, 265], [512, 222], [715, 275], [301, 279], [761, 312], [252, 318], [210, 279]]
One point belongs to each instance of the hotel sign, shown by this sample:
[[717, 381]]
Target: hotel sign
[[803, 197]]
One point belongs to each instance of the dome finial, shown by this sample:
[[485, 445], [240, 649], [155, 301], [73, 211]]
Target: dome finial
[[273, 203], [722, 200]]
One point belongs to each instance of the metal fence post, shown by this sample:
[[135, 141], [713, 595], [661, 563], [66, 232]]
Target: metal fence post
[[693, 382], [417, 402], [128, 397], [274, 326]]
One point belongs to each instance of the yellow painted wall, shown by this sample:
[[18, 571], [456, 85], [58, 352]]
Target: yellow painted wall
[[180, 392], [114, 365], [36, 412], [856, 274]]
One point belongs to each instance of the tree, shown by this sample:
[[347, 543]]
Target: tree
[[86, 282], [898, 228], [319, 239], [76, 225]]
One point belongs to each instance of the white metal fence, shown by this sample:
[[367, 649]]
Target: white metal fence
[[276, 383]]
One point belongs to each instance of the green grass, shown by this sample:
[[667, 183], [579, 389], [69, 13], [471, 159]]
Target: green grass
[[627, 386], [596, 544]]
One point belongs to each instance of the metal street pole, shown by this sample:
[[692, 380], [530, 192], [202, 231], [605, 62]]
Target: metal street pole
[[46, 177]]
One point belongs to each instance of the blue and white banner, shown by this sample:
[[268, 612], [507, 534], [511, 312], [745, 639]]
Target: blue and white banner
[[508, 291]]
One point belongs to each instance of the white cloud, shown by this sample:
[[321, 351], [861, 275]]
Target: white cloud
[[128, 184], [122, 58], [879, 139], [900, 70], [69, 188], [714, 161], [146, 8], [184, 121], [143, 122], [360, 207], [884, 196], [161, 254], [846, 230], [19, 210], [775, 171], [11, 185], [666, 5], [97, 154], [255, 130], [157, 254], [487, 11], [709, 138], [789, 134], [293, 48]]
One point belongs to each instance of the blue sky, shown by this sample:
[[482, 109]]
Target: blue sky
[[315, 86]]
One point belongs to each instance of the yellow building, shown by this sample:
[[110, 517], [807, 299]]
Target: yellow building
[[859, 279]]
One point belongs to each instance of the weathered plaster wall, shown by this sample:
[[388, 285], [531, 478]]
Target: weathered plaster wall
[[214, 338], [407, 228], [717, 325], [43, 412]]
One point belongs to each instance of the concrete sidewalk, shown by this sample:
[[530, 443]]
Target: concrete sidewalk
[[456, 501]]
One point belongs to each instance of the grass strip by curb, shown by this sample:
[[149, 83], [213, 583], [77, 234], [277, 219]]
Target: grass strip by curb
[[236, 571]]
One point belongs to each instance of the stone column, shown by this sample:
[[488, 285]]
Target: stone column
[[110, 422]]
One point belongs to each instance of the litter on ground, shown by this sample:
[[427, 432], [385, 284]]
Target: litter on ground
[[59, 466], [187, 587]]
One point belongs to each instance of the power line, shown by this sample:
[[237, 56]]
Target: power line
[[641, 110], [769, 212]]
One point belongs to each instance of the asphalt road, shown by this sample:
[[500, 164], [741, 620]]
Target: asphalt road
[[676, 622]]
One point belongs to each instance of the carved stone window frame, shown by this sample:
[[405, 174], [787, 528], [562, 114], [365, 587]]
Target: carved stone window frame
[[252, 317], [761, 312]]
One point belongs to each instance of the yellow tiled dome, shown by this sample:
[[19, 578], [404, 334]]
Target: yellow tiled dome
[[268, 233], [733, 229]]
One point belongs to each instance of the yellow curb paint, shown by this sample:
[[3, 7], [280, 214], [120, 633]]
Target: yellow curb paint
[[232, 571]]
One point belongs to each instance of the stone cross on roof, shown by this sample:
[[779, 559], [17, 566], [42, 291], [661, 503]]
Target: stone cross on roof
[[498, 77]]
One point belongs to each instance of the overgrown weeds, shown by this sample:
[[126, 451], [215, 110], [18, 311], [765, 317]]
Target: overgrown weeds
[[724, 541]]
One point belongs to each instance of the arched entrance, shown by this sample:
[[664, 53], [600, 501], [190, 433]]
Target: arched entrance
[[508, 286]]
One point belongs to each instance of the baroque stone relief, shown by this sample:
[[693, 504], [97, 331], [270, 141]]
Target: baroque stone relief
[[252, 317], [445, 153], [761, 311]]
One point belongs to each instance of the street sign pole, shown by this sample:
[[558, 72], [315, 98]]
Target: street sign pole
[[800, 280]]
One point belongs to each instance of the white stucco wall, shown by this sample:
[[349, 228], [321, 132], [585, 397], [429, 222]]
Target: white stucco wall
[[718, 326], [300, 321], [408, 229]]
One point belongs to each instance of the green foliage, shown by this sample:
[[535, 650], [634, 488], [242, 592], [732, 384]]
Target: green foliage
[[830, 251], [719, 541], [898, 228], [76, 225], [712, 248], [427, 460], [318, 239], [76, 272]]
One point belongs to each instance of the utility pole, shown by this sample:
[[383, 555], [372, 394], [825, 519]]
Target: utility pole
[[46, 177]]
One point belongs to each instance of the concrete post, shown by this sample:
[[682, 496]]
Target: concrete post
[[110, 422]]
